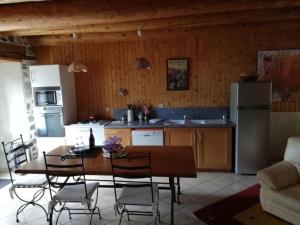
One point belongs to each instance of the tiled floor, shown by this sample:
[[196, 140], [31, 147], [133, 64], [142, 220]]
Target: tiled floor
[[197, 192]]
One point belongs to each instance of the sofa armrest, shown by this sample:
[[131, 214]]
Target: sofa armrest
[[278, 176]]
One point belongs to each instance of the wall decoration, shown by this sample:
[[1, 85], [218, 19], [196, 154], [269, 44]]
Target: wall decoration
[[282, 67], [177, 74]]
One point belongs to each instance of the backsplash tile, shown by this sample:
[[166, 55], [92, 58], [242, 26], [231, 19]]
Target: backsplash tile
[[178, 113]]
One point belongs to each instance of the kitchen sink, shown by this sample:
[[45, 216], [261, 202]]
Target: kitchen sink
[[175, 122], [212, 121], [195, 122]]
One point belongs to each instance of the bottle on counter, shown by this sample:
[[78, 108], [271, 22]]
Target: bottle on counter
[[91, 140]]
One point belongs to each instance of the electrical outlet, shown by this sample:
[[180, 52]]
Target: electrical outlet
[[107, 109], [161, 105]]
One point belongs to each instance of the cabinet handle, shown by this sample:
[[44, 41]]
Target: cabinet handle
[[194, 138], [199, 138]]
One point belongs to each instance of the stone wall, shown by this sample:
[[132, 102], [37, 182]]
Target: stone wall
[[28, 96]]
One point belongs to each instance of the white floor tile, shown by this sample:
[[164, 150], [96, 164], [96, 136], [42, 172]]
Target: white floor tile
[[198, 192]]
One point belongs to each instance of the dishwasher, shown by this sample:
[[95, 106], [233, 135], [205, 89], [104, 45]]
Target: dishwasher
[[147, 137]]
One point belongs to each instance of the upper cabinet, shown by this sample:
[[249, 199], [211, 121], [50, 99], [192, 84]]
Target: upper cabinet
[[45, 76]]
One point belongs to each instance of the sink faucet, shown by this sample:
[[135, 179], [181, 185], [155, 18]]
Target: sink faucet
[[185, 119], [224, 116]]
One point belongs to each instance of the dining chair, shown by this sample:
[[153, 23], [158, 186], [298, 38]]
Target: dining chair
[[15, 155], [133, 175], [72, 186]]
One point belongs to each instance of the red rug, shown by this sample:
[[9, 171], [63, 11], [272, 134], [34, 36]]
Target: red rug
[[223, 212]]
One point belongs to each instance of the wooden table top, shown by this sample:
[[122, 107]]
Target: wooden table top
[[167, 161]]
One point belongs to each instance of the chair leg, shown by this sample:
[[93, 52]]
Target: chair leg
[[50, 216], [60, 211], [36, 197], [94, 208], [178, 190], [121, 215], [20, 209], [128, 216]]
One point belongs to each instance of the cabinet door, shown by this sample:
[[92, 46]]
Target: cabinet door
[[125, 134], [181, 137], [45, 76], [214, 150]]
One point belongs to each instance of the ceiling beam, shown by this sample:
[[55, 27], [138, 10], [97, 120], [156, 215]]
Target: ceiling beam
[[60, 17], [19, 1], [174, 22], [13, 51], [55, 40]]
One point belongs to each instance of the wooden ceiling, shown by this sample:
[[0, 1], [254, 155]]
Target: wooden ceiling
[[59, 18]]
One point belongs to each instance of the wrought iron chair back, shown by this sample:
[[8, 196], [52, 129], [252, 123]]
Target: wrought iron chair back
[[73, 179], [133, 172], [59, 162], [15, 155]]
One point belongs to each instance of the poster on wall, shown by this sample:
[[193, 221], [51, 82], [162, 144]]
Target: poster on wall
[[177, 74], [282, 68]]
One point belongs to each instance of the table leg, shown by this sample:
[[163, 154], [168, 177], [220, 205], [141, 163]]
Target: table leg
[[172, 188], [178, 190]]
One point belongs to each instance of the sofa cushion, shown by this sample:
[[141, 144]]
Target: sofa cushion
[[292, 152], [278, 176], [288, 198]]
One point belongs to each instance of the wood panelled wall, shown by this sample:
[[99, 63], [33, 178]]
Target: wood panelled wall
[[217, 56]]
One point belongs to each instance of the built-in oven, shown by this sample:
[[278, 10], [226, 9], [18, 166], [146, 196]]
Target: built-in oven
[[49, 121], [47, 96]]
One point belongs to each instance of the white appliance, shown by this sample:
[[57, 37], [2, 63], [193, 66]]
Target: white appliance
[[147, 137], [80, 133], [53, 86], [47, 96], [49, 121], [250, 104]]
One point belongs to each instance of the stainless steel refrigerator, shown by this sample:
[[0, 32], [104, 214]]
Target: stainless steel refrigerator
[[250, 105]]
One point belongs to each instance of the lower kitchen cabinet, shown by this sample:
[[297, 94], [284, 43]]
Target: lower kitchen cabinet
[[214, 149], [181, 137], [124, 133], [212, 146]]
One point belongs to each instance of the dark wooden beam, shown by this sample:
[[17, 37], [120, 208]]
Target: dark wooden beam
[[13, 51], [61, 17], [54, 40]]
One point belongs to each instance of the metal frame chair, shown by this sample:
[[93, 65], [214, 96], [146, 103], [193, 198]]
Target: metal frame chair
[[74, 190], [15, 155], [138, 188]]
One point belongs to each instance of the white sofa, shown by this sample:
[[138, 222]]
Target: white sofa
[[280, 185]]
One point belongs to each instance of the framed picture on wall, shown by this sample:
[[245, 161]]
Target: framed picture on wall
[[282, 68], [177, 74]]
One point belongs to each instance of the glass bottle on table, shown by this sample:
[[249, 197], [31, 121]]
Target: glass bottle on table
[[91, 140]]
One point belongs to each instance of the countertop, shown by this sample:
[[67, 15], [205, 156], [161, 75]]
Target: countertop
[[137, 124]]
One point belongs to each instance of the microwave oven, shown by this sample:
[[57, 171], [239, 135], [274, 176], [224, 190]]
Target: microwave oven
[[47, 96]]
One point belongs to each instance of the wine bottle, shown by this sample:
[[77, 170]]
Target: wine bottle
[[91, 140]]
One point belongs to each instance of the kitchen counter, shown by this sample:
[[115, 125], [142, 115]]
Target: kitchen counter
[[137, 124]]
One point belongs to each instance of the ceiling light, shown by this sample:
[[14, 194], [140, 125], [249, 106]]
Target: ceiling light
[[141, 63], [76, 66]]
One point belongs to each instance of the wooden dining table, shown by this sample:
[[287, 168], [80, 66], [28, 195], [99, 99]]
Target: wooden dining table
[[166, 161]]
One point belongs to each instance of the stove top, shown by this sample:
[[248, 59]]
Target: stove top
[[87, 123]]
